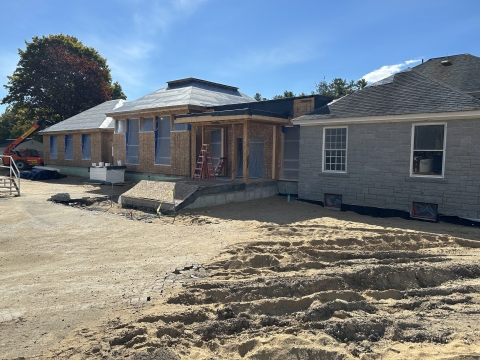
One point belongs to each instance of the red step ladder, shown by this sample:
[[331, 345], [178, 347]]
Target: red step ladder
[[204, 167]]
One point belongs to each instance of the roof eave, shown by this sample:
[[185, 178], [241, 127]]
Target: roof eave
[[454, 115], [175, 108]]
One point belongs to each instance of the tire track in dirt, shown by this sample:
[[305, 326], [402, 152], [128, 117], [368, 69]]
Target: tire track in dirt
[[319, 298]]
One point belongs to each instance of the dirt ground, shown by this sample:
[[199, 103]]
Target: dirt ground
[[265, 279]]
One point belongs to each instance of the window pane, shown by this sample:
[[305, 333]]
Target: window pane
[[86, 147], [180, 127], [427, 162], [133, 145], [147, 125], [119, 126], [429, 137], [335, 149], [53, 147], [162, 143], [68, 147]]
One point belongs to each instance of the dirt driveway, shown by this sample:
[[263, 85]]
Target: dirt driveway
[[70, 275]]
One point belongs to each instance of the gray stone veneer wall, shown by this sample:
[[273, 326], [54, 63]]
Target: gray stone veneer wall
[[378, 169]]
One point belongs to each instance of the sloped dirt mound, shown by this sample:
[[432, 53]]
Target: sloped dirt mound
[[369, 298]]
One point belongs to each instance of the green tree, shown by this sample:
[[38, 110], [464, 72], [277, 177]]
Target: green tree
[[13, 124], [286, 94], [58, 77], [339, 87]]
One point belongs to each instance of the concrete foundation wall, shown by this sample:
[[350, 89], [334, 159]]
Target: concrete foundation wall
[[287, 187], [378, 169], [234, 193]]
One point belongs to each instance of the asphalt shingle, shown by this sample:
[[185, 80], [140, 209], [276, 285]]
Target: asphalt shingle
[[189, 91], [407, 92], [93, 118], [461, 72]]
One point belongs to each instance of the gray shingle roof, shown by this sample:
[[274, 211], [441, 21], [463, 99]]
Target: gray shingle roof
[[93, 118], [461, 72], [406, 92], [188, 92]]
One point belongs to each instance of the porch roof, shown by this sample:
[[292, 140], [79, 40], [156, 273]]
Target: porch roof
[[230, 116]]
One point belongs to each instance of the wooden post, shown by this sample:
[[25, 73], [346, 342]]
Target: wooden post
[[234, 153], [246, 151], [203, 135], [193, 149], [274, 151]]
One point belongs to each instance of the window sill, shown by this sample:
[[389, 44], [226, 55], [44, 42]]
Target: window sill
[[163, 164], [334, 174], [427, 178]]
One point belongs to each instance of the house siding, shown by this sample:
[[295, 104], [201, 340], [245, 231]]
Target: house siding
[[378, 169]]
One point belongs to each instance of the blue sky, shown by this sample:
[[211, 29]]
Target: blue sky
[[258, 46]]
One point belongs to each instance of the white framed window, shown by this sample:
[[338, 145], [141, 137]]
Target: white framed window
[[119, 126], [86, 147], [68, 147], [428, 149], [335, 149], [53, 147]]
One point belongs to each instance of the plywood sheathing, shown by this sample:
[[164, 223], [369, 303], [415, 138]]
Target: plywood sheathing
[[97, 153], [179, 154], [107, 143], [163, 191], [264, 131], [119, 148], [303, 106]]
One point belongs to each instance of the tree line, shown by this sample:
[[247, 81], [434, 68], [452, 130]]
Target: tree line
[[56, 78], [335, 89]]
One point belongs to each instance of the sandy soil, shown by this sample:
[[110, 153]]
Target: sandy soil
[[264, 279]]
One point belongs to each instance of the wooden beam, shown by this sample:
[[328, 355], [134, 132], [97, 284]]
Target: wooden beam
[[234, 142], [246, 151], [228, 118], [193, 149], [274, 151]]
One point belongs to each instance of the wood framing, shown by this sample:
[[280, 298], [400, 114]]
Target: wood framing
[[246, 150]]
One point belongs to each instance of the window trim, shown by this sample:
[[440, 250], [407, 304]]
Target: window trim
[[412, 140], [346, 151]]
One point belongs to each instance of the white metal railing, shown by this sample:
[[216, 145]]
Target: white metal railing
[[12, 181]]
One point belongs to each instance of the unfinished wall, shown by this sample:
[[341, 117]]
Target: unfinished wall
[[378, 169], [119, 148], [303, 106], [96, 152], [106, 145], [179, 153], [256, 130]]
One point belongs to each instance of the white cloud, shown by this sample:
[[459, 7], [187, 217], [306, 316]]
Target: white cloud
[[163, 14], [387, 70], [128, 57]]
